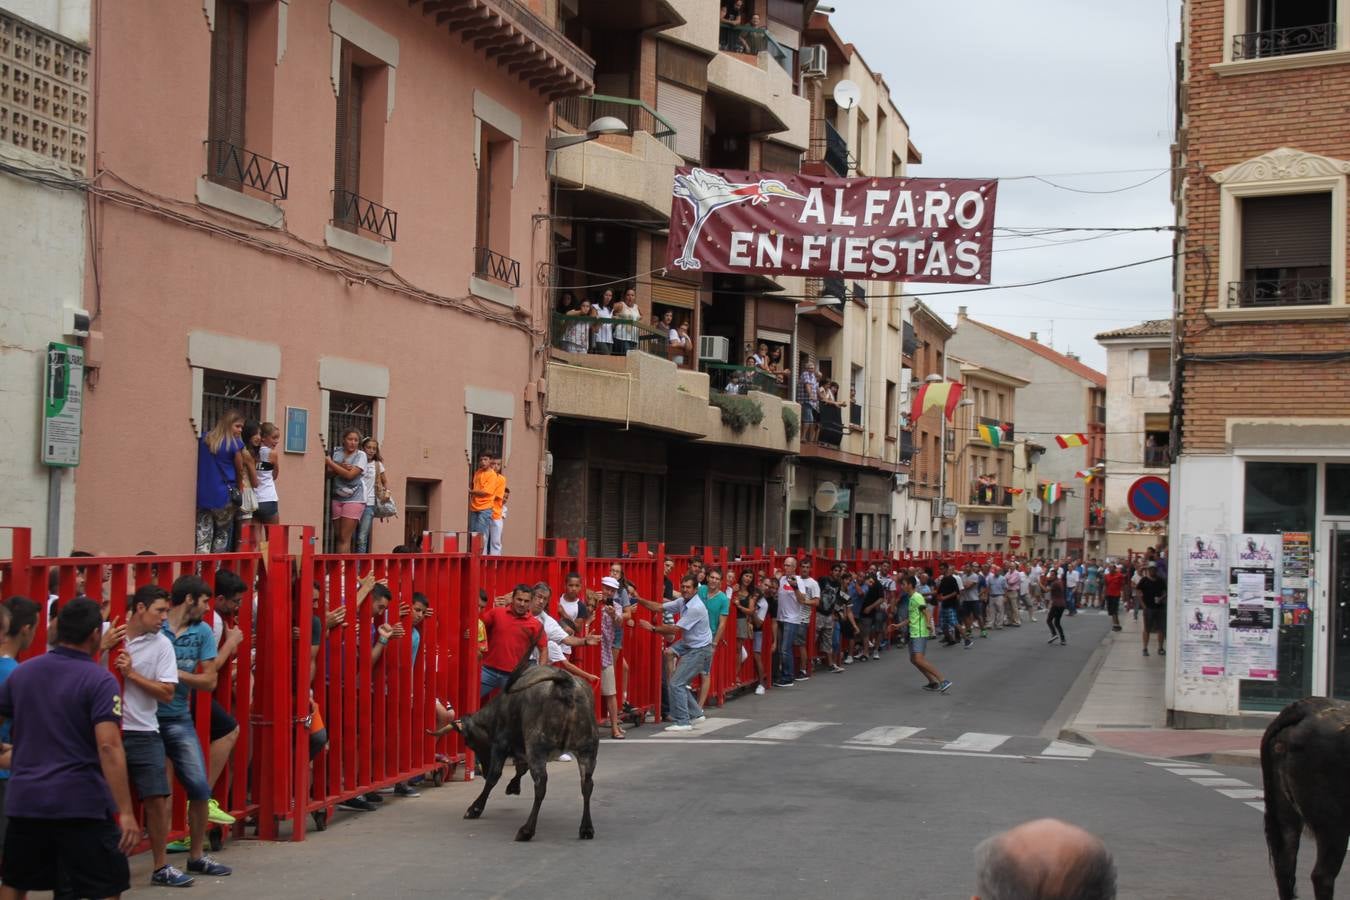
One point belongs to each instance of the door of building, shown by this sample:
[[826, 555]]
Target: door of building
[[1338, 598]]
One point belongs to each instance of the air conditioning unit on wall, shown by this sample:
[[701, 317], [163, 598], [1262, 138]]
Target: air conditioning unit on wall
[[813, 60], [714, 348]]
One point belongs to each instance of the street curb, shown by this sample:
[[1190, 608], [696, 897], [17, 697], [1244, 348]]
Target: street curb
[[1221, 758]]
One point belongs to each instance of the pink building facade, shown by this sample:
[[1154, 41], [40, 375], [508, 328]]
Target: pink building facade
[[323, 214]]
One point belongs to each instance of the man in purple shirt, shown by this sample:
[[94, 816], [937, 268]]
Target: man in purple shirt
[[71, 822]]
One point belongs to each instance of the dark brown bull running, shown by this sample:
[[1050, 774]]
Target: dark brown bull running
[[1303, 757], [541, 712]]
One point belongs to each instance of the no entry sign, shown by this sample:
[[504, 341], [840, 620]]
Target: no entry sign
[[1015, 541], [1149, 499]]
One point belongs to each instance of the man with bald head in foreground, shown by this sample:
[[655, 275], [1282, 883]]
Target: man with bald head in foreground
[[1044, 860]]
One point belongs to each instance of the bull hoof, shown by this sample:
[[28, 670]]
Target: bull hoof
[[473, 812], [523, 834], [587, 833], [513, 787]]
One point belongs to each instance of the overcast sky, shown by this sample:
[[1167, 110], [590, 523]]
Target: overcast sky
[[995, 88]]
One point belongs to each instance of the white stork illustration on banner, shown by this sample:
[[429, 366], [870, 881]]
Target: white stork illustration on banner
[[707, 193]]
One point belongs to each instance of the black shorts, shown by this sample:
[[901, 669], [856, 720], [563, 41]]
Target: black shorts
[[971, 608], [1112, 606], [222, 723], [72, 857], [1155, 620]]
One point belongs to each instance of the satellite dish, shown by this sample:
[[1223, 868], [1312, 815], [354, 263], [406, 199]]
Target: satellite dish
[[826, 497], [846, 94], [1034, 505]]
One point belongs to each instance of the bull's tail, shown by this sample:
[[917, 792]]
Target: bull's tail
[[1274, 746], [518, 671]]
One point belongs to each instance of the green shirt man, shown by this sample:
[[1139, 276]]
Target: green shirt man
[[918, 617]]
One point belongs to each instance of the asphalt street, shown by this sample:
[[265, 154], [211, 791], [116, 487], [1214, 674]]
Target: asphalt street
[[855, 784]]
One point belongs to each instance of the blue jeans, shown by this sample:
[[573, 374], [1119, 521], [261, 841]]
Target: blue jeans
[[480, 522], [683, 704], [1071, 598], [491, 680], [787, 643], [363, 530], [185, 752]]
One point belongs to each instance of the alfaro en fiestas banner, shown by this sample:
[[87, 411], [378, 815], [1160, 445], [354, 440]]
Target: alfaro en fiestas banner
[[885, 229]]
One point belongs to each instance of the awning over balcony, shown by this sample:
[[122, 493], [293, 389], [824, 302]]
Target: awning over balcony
[[513, 37]]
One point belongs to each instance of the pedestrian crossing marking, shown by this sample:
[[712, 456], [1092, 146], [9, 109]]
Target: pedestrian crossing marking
[[1169, 765], [1242, 793], [1222, 782], [1192, 771], [1257, 805], [977, 742], [884, 735], [1067, 749], [789, 731], [710, 725]]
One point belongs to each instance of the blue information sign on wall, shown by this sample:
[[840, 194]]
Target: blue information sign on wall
[[297, 429]]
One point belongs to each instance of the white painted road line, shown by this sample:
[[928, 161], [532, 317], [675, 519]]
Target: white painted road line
[[1068, 750], [1195, 773], [1243, 793], [789, 731], [977, 742], [1222, 782], [885, 735], [1171, 765], [1257, 805], [710, 725]]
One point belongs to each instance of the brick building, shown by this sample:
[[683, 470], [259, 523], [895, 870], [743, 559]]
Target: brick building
[[1262, 350]]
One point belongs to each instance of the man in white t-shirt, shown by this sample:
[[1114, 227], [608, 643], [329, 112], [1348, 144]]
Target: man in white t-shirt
[[149, 669], [791, 599], [1072, 576], [806, 607]]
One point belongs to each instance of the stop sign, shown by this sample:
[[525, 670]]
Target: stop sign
[[1015, 541]]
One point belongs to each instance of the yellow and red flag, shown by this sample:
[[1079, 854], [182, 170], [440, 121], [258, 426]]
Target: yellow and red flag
[[944, 394], [1066, 441]]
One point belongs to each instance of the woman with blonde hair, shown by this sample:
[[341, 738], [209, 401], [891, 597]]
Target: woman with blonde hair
[[220, 482]]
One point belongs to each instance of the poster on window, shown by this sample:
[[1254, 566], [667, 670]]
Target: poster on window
[[1252, 643], [1203, 566], [1204, 635]]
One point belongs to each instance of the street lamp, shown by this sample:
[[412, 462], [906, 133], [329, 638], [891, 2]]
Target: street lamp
[[602, 125]]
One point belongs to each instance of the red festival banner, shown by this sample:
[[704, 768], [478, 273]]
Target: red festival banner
[[937, 230]]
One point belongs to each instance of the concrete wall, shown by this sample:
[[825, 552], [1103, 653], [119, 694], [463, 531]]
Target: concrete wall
[[42, 261], [1054, 402], [68, 18]]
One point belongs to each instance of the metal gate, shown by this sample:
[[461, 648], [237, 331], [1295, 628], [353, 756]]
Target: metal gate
[[345, 411]]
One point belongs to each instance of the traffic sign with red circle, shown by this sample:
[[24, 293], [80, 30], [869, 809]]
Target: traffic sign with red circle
[[1149, 499], [1015, 541]]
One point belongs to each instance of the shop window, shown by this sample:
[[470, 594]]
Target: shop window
[[1337, 501], [1278, 497]]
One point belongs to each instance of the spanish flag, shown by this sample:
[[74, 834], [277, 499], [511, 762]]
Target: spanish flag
[[945, 394], [991, 434], [1052, 492], [1066, 441], [1085, 474], [1016, 492]]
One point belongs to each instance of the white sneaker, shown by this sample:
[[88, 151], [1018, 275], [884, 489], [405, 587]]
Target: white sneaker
[[876, 655], [698, 720], [564, 757], [759, 690], [848, 660], [678, 727]]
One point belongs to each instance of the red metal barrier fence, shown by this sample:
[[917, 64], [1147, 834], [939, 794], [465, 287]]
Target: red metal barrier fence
[[298, 666]]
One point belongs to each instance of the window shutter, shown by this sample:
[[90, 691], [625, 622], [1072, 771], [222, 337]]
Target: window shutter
[[683, 108], [632, 507], [611, 514], [684, 521], [229, 57], [775, 157], [653, 514], [594, 507], [347, 162], [671, 294], [1286, 231]]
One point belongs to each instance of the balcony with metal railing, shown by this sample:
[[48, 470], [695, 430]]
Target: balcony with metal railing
[[354, 213], [828, 146], [1263, 292], [753, 83], [494, 266], [1285, 41], [732, 379], [909, 340], [634, 168], [240, 169]]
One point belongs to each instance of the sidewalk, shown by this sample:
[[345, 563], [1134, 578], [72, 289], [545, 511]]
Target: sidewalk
[[1125, 710]]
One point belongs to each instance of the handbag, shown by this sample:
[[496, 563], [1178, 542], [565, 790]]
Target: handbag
[[248, 502], [385, 507], [231, 489]]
